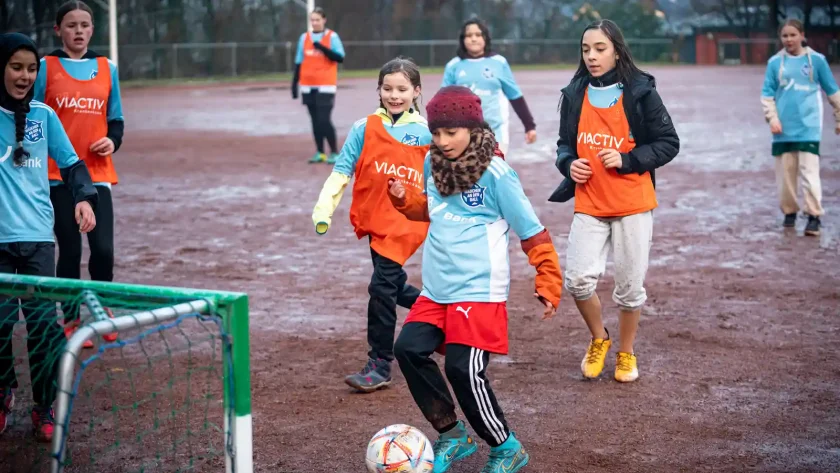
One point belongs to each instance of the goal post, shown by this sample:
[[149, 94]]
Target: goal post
[[173, 392]]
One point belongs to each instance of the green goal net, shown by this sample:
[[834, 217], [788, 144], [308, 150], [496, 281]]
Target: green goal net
[[151, 379]]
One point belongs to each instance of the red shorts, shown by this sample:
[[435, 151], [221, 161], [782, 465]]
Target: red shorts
[[482, 325]]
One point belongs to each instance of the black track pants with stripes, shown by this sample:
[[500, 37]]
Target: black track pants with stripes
[[466, 371]]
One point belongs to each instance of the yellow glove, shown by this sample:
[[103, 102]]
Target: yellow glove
[[328, 201]]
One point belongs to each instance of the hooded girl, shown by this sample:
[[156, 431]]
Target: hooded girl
[[29, 132]]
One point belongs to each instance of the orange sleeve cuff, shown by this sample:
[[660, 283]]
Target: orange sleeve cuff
[[414, 206], [543, 257]]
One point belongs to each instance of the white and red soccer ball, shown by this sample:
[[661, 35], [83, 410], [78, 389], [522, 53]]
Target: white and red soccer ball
[[400, 448]]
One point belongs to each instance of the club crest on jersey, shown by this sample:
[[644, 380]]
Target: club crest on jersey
[[411, 140], [93, 73], [487, 73], [33, 132], [474, 197], [806, 69]]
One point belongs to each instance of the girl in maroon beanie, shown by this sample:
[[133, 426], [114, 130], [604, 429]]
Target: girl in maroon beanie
[[472, 198]]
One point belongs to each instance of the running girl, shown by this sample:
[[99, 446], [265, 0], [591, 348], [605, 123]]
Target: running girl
[[472, 198], [488, 75], [390, 143], [614, 132]]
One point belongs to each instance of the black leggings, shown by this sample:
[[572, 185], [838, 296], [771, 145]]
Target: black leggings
[[100, 240], [320, 107], [45, 339], [388, 289]]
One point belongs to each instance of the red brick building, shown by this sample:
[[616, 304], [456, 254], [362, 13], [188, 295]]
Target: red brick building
[[716, 45]]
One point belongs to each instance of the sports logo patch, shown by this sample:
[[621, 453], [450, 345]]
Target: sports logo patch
[[93, 73], [487, 73], [806, 69], [474, 197], [33, 132], [411, 140]]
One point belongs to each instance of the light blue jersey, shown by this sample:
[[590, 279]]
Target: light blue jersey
[[465, 257], [796, 92], [335, 44], [605, 97], [411, 129], [26, 213], [492, 80], [83, 69]]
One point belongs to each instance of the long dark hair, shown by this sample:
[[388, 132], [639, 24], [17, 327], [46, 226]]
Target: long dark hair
[[407, 67], [67, 7], [625, 67], [485, 32]]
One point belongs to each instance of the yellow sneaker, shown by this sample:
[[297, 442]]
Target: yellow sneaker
[[626, 370], [593, 362]]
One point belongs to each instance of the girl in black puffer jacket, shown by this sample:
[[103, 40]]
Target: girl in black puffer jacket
[[614, 132]]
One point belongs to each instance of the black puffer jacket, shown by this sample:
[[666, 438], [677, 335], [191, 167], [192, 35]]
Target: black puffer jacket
[[657, 142]]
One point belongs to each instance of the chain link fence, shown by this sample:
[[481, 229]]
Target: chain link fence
[[200, 60]]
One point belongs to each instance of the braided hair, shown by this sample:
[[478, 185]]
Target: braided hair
[[20, 127]]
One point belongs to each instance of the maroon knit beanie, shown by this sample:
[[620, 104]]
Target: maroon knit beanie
[[454, 106]]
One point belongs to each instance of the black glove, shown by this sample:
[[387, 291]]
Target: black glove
[[331, 55]]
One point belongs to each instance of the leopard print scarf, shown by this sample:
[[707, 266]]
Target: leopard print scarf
[[454, 176]]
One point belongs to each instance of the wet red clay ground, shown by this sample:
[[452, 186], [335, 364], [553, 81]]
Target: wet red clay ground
[[736, 344]]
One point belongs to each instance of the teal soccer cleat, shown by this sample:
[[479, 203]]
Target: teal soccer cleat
[[452, 446]]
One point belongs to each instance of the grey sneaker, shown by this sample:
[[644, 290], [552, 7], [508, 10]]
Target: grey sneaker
[[375, 375]]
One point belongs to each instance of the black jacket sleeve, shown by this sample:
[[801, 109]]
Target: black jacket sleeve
[[331, 55], [565, 152], [77, 179], [663, 142], [115, 132], [295, 81]]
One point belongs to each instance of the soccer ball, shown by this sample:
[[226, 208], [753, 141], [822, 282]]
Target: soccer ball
[[399, 448]]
